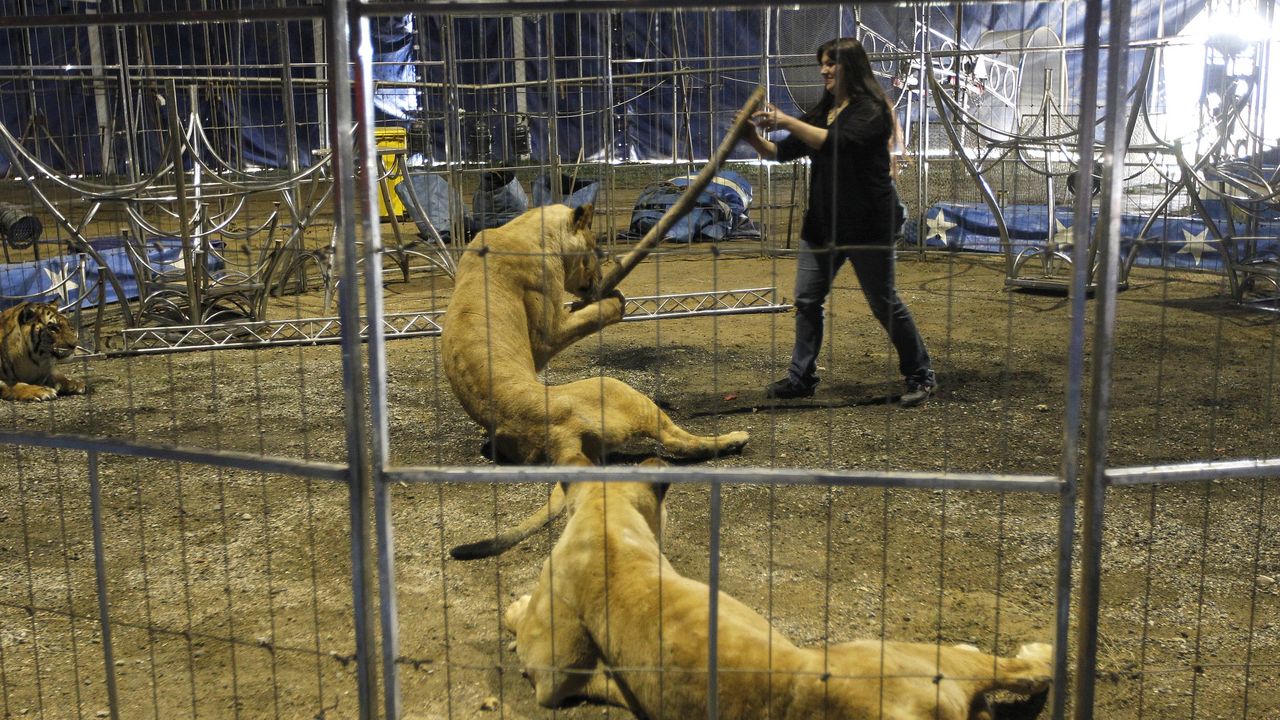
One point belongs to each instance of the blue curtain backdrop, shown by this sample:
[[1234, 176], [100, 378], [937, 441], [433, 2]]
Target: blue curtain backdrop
[[678, 77]]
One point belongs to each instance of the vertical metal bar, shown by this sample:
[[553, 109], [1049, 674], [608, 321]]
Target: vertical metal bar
[[518, 66], [126, 103], [1050, 205], [610, 123], [1266, 11], [1094, 487], [101, 108], [292, 160], [713, 609], [1081, 277], [922, 137], [320, 63], [358, 479], [100, 576], [370, 172], [176, 151], [197, 179], [714, 79], [768, 206], [453, 146], [553, 106]]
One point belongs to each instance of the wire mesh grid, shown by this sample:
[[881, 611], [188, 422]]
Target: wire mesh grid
[[154, 588], [232, 578]]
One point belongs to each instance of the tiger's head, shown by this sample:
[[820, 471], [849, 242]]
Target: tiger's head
[[581, 254], [49, 333], [33, 338]]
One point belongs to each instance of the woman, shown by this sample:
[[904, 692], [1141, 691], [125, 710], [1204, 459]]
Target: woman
[[853, 214]]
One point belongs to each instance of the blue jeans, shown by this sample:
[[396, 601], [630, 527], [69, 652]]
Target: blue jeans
[[815, 269]]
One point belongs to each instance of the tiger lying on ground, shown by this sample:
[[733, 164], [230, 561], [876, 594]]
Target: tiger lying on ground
[[33, 337], [507, 319]]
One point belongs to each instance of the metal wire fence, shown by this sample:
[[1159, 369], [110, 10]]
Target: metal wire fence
[[262, 529]]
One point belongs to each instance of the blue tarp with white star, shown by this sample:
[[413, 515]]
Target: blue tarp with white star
[[73, 279], [1171, 242]]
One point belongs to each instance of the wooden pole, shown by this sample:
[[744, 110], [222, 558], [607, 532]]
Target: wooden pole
[[684, 204]]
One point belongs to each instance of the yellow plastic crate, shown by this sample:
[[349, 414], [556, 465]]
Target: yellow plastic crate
[[395, 138]]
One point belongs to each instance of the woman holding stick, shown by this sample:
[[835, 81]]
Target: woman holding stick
[[853, 214]]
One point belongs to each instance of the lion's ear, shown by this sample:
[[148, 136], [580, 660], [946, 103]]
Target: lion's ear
[[660, 490], [582, 216]]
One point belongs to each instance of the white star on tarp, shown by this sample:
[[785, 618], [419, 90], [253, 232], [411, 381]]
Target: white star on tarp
[[172, 267], [61, 281], [1196, 245], [938, 227], [1061, 236]]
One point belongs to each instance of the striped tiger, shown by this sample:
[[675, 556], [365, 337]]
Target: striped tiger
[[33, 337]]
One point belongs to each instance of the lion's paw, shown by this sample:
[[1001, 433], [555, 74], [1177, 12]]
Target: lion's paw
[[1038, 678], [515, 612], [617, 307], [734, 441], [1042, 652]]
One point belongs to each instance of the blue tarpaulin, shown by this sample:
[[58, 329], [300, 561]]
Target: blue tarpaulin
[[1172, 242], [60, 280], [720, 211]]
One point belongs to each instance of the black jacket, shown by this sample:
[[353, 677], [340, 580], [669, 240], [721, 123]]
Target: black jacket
[[852, 198]]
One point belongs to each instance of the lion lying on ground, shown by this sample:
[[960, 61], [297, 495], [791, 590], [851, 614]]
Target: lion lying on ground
[[612, 621], [507, 318]]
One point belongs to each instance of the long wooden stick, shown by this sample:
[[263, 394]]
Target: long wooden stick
[[684, 204]]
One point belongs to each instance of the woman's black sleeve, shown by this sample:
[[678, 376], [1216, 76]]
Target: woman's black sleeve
[[790, 148]]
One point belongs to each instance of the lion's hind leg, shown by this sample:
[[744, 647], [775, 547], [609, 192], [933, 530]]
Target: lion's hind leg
[[614, 412]]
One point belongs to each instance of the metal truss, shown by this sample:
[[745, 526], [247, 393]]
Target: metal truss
[[328, 330], [723, 302]]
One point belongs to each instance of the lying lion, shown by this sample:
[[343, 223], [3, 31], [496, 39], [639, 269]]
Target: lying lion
[[507, 318], [612, 621]]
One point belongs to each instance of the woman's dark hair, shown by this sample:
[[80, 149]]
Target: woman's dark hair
[[858, 79]]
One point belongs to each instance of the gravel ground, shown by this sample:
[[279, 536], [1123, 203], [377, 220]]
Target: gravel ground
[[230, 590]]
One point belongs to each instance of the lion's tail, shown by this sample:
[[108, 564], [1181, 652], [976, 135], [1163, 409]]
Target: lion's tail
[[507, 539]]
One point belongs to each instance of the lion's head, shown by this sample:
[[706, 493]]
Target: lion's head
[[581, 254]]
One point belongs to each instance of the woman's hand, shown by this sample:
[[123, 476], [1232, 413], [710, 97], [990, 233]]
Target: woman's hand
[[771, 118], [749, 133]]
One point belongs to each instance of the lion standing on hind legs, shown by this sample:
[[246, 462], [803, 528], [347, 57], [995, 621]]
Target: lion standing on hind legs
[[507, 319]]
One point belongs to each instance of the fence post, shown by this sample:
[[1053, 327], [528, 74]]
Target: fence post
[[1108, 237], [100, 577]]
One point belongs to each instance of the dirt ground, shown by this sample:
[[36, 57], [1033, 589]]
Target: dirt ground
[[230, 591]]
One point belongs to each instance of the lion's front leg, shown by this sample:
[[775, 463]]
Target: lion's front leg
[[577, 324], [555, 651]]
